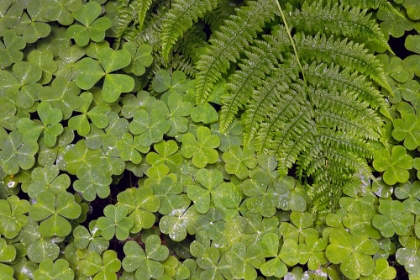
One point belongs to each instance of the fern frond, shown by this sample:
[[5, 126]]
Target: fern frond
[[126, 14], [295, 137], [337, 20], [142, 6], [384, 5], [347, 54], [223, 11], [180, 18], [264, 97], [226, 45], [341, 111], [260, 62], [331, 77]]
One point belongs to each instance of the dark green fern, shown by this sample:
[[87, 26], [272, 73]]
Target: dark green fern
[[321, 125], [301, 80]]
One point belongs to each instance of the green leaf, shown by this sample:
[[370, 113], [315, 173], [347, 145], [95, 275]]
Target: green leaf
[[43, 248], [10, 52], [91, 239], [393, 219], [238, 162], [200, 149], [47, 178], [13, 216], [262, 198], [245, 260], [382, 271], [150, 126], [204, 113], [103, 268], [178, 111], [53, 211], [92, 28], [353, 253], [7, 252], [176, 223], [63, 95], [169, 193], [395, 165], [114, 85], [141, 58], [90, 72], [115, 222], [407, 129], [413, 9], [93, 181], [146, 263], [16, 154], [167, 154], [140, 204], [54, 270]]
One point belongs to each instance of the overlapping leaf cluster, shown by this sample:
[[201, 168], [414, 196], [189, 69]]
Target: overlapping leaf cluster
[[104, 176]]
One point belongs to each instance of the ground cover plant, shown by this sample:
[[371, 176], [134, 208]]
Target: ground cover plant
[[209, 139]]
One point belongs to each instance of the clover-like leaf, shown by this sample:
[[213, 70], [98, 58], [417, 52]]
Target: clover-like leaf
[[63, 95], [393, 24], [93, 181], [54, 212], [141, 58], [180, 221], [212, 223], [47, 178], [7, 252], [178, 111], [262, 198], [60, 269], [211, 189], [169, 193], [301, 228], [164, 82], [238, 161], [166, 153], [32, 25], [245, 260], [91, 71], [16, 154], [407, 129], [409, 254], [67, 66], [315, 252], [392, 219], [22, 84], [130, 149], [140, 204], [115, 222], [91, 239], [230, 137], [200, 149], [60, 10], [410, 193], [382, 271], [105, 267], [146, 263], [204, 113], [395, 165], [213, 264], [133, 103], [150, 126], [51, 126], [91, 27], [353, 253], [13, 216], [10, 51], [44, 59]]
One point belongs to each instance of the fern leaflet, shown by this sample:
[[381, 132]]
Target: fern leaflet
[[180, 18]]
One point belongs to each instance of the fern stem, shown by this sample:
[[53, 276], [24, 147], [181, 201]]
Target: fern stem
[[291, 40]]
